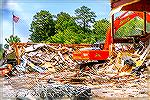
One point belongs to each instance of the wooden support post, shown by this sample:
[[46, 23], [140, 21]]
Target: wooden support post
[[112, 28], [17, 53], [144, 22], [112, 34]]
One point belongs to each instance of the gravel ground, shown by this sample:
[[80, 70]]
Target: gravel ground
[[134, 90]]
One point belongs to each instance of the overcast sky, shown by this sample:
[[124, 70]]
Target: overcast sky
[[26, 9]]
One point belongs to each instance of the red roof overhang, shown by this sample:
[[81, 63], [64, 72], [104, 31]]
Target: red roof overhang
[[131, 5]]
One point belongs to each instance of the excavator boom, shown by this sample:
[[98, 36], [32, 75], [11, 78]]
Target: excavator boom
[[91, 54]]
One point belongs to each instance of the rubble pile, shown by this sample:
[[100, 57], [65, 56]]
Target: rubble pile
[[45, 58], [124, 72]]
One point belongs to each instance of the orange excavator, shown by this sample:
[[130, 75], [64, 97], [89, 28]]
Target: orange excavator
[[102, 54]]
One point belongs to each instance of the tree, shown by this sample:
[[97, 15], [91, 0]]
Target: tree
[[67, 37], [66, 28], [62, 18], [10, 40], [100, 28], [13, 39], [85, 17], [42, 26], [130, 28], [65, 21]]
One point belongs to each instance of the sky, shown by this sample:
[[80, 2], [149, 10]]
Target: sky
[[26, 9]]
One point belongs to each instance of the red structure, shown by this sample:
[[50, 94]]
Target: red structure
[[137, 6], [91, 54]]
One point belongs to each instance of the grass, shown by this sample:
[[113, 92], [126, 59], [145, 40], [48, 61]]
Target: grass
[[1, 53], [9, 56]]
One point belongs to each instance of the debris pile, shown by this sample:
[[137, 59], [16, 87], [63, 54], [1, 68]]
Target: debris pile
[[45, 58], [59, 91], [54, 64]]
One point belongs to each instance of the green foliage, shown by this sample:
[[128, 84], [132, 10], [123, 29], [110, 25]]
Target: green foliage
[[64, 20], [84, 17], [147, 27], [12, 39], [100, 28], [42, 26], [65, 29], [1, 53], [75, 30], [131, 28], [68, 37]]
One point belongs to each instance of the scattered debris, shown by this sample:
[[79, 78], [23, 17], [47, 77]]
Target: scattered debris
[[51, 65]]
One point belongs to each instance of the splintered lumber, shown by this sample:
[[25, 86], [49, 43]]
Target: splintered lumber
[[45, 58], [17, 53], [145, 53], [126, 68], [21, 48], [54, 66], [143, 56], [77, 80]]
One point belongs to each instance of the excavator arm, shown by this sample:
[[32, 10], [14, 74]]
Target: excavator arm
[[90, 54], [119, 22]]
